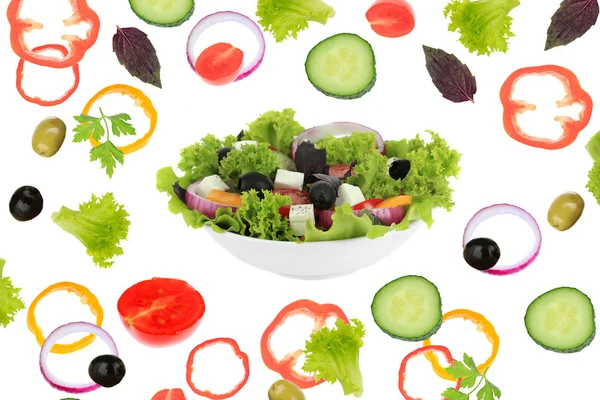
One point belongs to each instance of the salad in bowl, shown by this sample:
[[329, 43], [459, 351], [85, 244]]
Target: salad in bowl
[[279, 185]]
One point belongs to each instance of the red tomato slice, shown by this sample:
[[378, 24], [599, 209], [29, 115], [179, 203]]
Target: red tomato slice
[[220, 64], [391, 18], [339, 170], [161, 312], [298, 197], [367, 204], [169, 394]]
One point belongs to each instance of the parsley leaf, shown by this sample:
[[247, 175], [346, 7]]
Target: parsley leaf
[[453, 394], [470, 363], [470, 377], [107, 153], [460, 370]]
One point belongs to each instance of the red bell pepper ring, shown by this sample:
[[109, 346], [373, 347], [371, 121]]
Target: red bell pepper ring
[[78, 46], [423, 350], [285, 367], [574, 94], [241, 355], [37, 100]]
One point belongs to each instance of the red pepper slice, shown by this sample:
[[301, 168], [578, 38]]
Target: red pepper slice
[[367, 204], [241, 355], [82, 13], [423, 350], [574, 94], [37, 100], [285, 367]]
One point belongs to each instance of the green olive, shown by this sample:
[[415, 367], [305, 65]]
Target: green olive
[[285, 390], [565, 211], [48, 136]]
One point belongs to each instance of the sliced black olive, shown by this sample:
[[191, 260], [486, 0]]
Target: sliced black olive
[[322, 195], [107, 370], [256, 181], [222, 153], [399, 169], [26, 203], [481, 253]]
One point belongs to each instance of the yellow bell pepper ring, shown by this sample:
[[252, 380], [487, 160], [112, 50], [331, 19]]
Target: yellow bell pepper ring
[[86, 297], [141, 100], [483, 325]]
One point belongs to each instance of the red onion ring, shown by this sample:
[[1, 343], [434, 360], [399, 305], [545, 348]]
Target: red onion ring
[[504, 209], [54, 337], [203, 206], [392, 215], [228, 16], [337, 129]]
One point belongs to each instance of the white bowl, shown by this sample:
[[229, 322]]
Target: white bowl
[[315, 260]]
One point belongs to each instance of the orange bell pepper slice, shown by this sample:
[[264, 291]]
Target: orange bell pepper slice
[[397, 201], [224, 198], [86, 296], [78, 46], [483, 325], [141, 100]]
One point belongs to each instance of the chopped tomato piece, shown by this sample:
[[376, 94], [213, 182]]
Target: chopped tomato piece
[[340, 170], [224, 198], [220, 64], [391, 18], [367, 204], [169, 394], [161, 312], [397, 201], [297, 196]]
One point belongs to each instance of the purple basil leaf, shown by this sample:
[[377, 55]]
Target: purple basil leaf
[[310, 160], [137, 54], [333, 180], [450, 76], [348, 173], [374, 219], [571, 21], [179, 191]]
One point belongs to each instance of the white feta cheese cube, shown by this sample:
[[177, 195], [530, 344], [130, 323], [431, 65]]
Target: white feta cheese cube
[[209, 183], [240, 144], [299, 215], [289, 179], [349, 194]]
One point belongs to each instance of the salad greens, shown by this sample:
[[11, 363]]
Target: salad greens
[[10, 301], [345, 150], [333, 355], [470, 377], [100, 224], [346, 225], [593, 149], [372, 177], [285, 18], [252, 158], [200, 159], [277, 128], [484, 25], [261, 217]]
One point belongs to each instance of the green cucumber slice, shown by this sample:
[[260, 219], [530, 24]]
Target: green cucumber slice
[[342, 66], [408, 308], [561, 320], [164, 13]]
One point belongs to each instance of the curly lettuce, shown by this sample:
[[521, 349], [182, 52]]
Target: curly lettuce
[[371, 175], [277, 128], [593, 149], [262, 218], [200, 159], [250, 158], [346, 149], [11, 302], [484, 25]]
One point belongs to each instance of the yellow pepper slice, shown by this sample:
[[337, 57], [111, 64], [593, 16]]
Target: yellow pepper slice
[[483, 325], [86, 296], [141, 100]]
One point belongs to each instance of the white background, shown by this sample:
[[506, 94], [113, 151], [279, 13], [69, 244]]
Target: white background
[[242, 301]]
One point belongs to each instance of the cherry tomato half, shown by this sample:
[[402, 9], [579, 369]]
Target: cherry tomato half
[[220, 64]]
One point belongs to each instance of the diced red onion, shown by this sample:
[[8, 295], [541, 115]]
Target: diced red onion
[[57, 335], [506, 209], [335, 129], [228, 16], [391, 215], [203, 206]]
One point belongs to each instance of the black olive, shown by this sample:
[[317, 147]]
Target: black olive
[[399, 169], [322, 195], [481, 253], [256, 181], [26, 203], [222, 153], [107, 370]]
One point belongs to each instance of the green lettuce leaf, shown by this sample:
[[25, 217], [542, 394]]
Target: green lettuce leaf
[[262, 218], [276, 128], [371, 175], [346, 225], [250, 158], [346, 149], [200, 159]]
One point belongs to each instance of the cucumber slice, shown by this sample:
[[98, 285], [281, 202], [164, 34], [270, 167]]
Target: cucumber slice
[[164, 13], [408, 308], [561, 320], [342, 66]]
